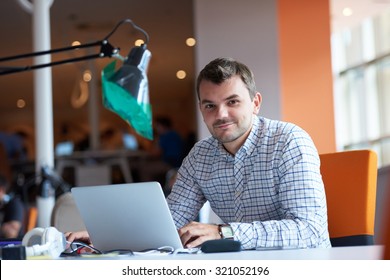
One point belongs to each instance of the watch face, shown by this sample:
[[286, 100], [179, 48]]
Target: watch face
[[227, 232]]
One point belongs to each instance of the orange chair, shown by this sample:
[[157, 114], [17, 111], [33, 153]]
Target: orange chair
[[31, 218], [350, 179]]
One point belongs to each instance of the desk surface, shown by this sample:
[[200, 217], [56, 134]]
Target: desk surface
[[280, 264], [337, 253]]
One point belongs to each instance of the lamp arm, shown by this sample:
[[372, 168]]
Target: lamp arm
[[16, 57], [106, 50], [9, 70]]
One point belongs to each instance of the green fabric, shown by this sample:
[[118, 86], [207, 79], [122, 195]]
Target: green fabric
[[118, 100]]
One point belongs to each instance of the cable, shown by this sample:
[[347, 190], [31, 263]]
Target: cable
[[76, 246], [134, 25]]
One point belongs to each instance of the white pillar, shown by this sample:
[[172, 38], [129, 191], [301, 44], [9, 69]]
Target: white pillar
[[43, 85], [43, 102]]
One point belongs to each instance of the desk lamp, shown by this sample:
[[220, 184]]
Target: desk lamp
[[125, 91]]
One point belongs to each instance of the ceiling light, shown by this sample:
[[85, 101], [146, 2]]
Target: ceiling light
[[139, 42], [347, 11], [181, 74], [87, 76], [190, 42], [20, 103]]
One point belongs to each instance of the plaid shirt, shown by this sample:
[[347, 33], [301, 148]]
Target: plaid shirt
[[271, 192]]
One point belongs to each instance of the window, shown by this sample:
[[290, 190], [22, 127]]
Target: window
[[361, 69]]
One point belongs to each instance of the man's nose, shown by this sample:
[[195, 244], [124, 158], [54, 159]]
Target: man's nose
[[222, 112]]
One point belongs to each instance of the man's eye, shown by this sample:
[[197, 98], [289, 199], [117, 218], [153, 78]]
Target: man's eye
[[232, 102], [209, 106]]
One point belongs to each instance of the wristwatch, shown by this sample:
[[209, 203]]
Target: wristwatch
[[226, 231]]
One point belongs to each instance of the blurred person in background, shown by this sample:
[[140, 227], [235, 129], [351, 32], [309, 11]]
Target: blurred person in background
[[11, 212]]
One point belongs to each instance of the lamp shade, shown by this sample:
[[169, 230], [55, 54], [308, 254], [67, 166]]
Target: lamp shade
[[126, 91]]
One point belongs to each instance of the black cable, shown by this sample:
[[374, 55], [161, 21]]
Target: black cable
[[133, 24], [80, 245], [15, 57]]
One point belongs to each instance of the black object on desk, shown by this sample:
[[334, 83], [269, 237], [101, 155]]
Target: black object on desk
[[13, 253], [221, 245]]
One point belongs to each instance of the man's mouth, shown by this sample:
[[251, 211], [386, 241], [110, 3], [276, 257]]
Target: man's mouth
[[223, 125]]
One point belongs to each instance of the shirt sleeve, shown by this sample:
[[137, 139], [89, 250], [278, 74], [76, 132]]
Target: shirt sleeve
[[186, 197], [302, 201]]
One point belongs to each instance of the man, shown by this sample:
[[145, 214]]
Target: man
[[11, 213], [261, 176], [13, 145]]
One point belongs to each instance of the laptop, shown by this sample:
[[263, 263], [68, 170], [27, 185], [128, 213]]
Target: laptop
[[65, 148], [131, 216], [129, 141]]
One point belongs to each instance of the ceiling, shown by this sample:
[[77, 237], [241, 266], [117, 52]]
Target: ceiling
[[167, 22], [361, 9]]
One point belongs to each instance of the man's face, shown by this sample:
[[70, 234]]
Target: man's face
[[227, 110]]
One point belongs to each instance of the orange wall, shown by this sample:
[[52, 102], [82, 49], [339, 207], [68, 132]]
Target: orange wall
[[305, 69]]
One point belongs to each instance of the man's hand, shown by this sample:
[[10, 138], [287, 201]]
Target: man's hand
[[194, 234], [82, 236]]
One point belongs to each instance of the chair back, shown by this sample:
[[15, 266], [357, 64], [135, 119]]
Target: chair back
[[350, 179], [65, 215], [31, 218]]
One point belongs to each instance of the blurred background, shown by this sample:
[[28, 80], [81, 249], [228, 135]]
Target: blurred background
[[360, 46], [169, 25]]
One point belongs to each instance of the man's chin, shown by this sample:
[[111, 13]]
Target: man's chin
[[225, 138]]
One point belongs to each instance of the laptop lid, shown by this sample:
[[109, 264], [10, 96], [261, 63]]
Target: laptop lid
[[129, 141], [64, 148], [127, 216]]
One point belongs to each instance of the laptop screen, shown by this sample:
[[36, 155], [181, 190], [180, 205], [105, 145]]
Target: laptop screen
[[64, 148], [127, 216], [129, 141]]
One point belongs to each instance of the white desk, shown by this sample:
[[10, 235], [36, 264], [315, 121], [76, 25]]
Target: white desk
[[337, 253], [281, 264]]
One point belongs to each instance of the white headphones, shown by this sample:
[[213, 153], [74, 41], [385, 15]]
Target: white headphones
[[44, 241]]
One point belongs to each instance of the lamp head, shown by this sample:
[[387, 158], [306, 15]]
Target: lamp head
[[132, 75], [126, 91]]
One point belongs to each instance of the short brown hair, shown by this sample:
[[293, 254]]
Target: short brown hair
[[222, 69]]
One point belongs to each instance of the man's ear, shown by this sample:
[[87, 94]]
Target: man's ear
[[257, 103]]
